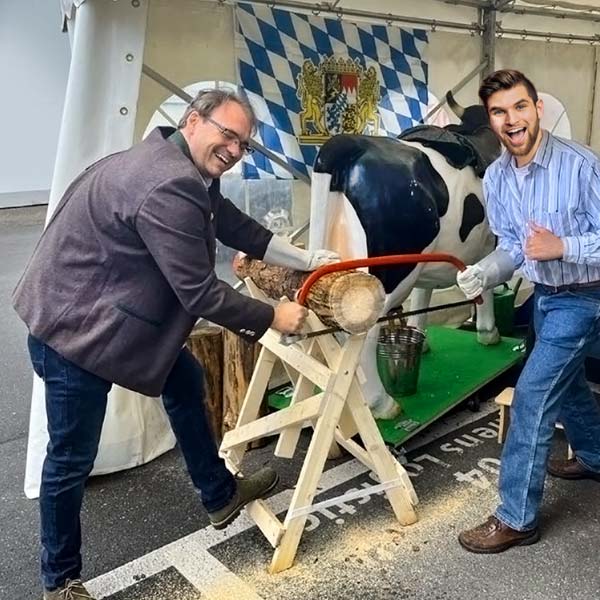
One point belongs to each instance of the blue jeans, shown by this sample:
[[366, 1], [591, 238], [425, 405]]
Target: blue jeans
[[552, 387], [75, 406]]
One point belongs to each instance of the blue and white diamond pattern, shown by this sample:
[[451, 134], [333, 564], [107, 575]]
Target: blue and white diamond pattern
[[272, 45]]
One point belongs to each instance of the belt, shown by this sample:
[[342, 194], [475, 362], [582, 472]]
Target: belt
[[569, 287]]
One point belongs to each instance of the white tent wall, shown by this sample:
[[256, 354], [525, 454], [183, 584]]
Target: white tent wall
[[190, 40], [595, 120], [451, 56], [99, 116], [186, 41]]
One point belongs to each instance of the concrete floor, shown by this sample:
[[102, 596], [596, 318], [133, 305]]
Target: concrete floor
[[146, 537]]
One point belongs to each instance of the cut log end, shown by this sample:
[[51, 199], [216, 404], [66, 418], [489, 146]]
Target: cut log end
[[351, 300], [357, 302]]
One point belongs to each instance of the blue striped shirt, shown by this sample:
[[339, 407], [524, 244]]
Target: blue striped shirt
[[561, 192]]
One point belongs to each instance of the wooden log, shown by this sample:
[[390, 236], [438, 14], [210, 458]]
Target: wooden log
[[352, 300], [239, 359], [206, 344]]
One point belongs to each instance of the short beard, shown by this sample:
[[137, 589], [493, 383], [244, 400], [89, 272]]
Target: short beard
[[532, 140]]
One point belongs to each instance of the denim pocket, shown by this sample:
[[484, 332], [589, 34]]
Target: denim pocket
[[592, 294]]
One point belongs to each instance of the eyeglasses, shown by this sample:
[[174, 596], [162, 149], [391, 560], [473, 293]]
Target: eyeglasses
[[231, 136]]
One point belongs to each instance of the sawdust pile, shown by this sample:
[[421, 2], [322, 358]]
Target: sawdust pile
[[371, 549]]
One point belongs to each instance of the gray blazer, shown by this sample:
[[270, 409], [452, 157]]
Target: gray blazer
[[126, 266]]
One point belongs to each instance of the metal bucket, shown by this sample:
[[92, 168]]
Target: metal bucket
[[399, 358]]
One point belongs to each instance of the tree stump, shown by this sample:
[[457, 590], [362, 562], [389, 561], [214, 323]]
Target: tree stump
[[352, 300], [239, 359], [206, 344]]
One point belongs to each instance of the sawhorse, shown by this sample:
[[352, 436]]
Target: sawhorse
[[336, 413]]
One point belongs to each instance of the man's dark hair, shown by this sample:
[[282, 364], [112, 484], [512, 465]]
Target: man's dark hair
[[505, 79]]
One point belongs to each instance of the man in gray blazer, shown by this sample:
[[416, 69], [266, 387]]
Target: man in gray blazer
[[118, 279]]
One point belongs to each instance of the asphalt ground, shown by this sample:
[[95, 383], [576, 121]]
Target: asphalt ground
[[147, 538]]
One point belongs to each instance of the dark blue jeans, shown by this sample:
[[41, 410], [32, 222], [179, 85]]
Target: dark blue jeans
[[75, 406]]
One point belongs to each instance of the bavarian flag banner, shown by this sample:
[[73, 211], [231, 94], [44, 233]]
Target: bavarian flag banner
[[310, 78]]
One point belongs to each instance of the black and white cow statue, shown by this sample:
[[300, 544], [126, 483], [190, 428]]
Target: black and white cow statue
[[420, 193]]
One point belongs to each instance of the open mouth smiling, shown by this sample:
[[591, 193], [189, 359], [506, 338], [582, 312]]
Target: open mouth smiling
[[516, 134], [223, 158]]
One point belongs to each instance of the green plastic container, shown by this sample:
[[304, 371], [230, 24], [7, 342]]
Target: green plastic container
[[504, 310]]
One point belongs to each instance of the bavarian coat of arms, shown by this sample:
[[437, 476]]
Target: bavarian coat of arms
[[337, 96]]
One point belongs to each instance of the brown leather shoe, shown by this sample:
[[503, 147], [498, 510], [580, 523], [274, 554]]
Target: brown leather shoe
[[493, 536], [571, 469]]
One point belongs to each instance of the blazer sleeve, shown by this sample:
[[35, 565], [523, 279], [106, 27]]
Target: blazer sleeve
[[236, 229], [173, 224]]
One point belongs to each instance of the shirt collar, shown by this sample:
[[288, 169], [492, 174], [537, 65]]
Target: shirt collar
[[542, 156], [544, 152], [179, 140]]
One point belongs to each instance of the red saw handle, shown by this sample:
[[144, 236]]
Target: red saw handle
[[378, 261]]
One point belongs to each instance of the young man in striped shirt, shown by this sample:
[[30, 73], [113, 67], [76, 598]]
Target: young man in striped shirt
[[543, 203]]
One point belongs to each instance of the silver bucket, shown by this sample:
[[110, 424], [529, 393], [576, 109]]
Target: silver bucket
[[399, 358]]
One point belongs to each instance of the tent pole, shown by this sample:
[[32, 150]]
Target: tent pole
[[488, 40], [595, 61], [366, 14], [459, 86]]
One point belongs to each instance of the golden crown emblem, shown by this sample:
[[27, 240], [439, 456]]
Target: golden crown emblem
[[331, 64]]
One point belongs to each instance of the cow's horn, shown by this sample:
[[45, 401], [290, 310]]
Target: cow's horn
[[457, 109]]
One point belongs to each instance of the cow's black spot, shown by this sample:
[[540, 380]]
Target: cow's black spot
[[397, 194], [473, 214]]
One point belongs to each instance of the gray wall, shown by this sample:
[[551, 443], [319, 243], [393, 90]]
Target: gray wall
[[34, 64]]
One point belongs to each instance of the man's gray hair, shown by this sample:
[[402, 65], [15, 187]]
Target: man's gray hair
[[206, 101]]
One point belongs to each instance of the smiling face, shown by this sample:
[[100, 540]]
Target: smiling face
[[213, 151], [515, 119]]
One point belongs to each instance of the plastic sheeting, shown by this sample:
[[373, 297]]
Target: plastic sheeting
[[107, 45]]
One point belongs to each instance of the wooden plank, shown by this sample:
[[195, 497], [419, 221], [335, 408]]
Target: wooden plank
[[356, 450], [274, 423], [385, 465], [266, 520], [304, 388], [252, 403], [505, 397]]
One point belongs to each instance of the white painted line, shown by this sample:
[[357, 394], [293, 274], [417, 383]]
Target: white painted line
[[193, 547]]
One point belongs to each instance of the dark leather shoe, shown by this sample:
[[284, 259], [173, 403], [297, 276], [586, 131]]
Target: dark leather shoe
[[571, 469], [254, 487], [493, 536]]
